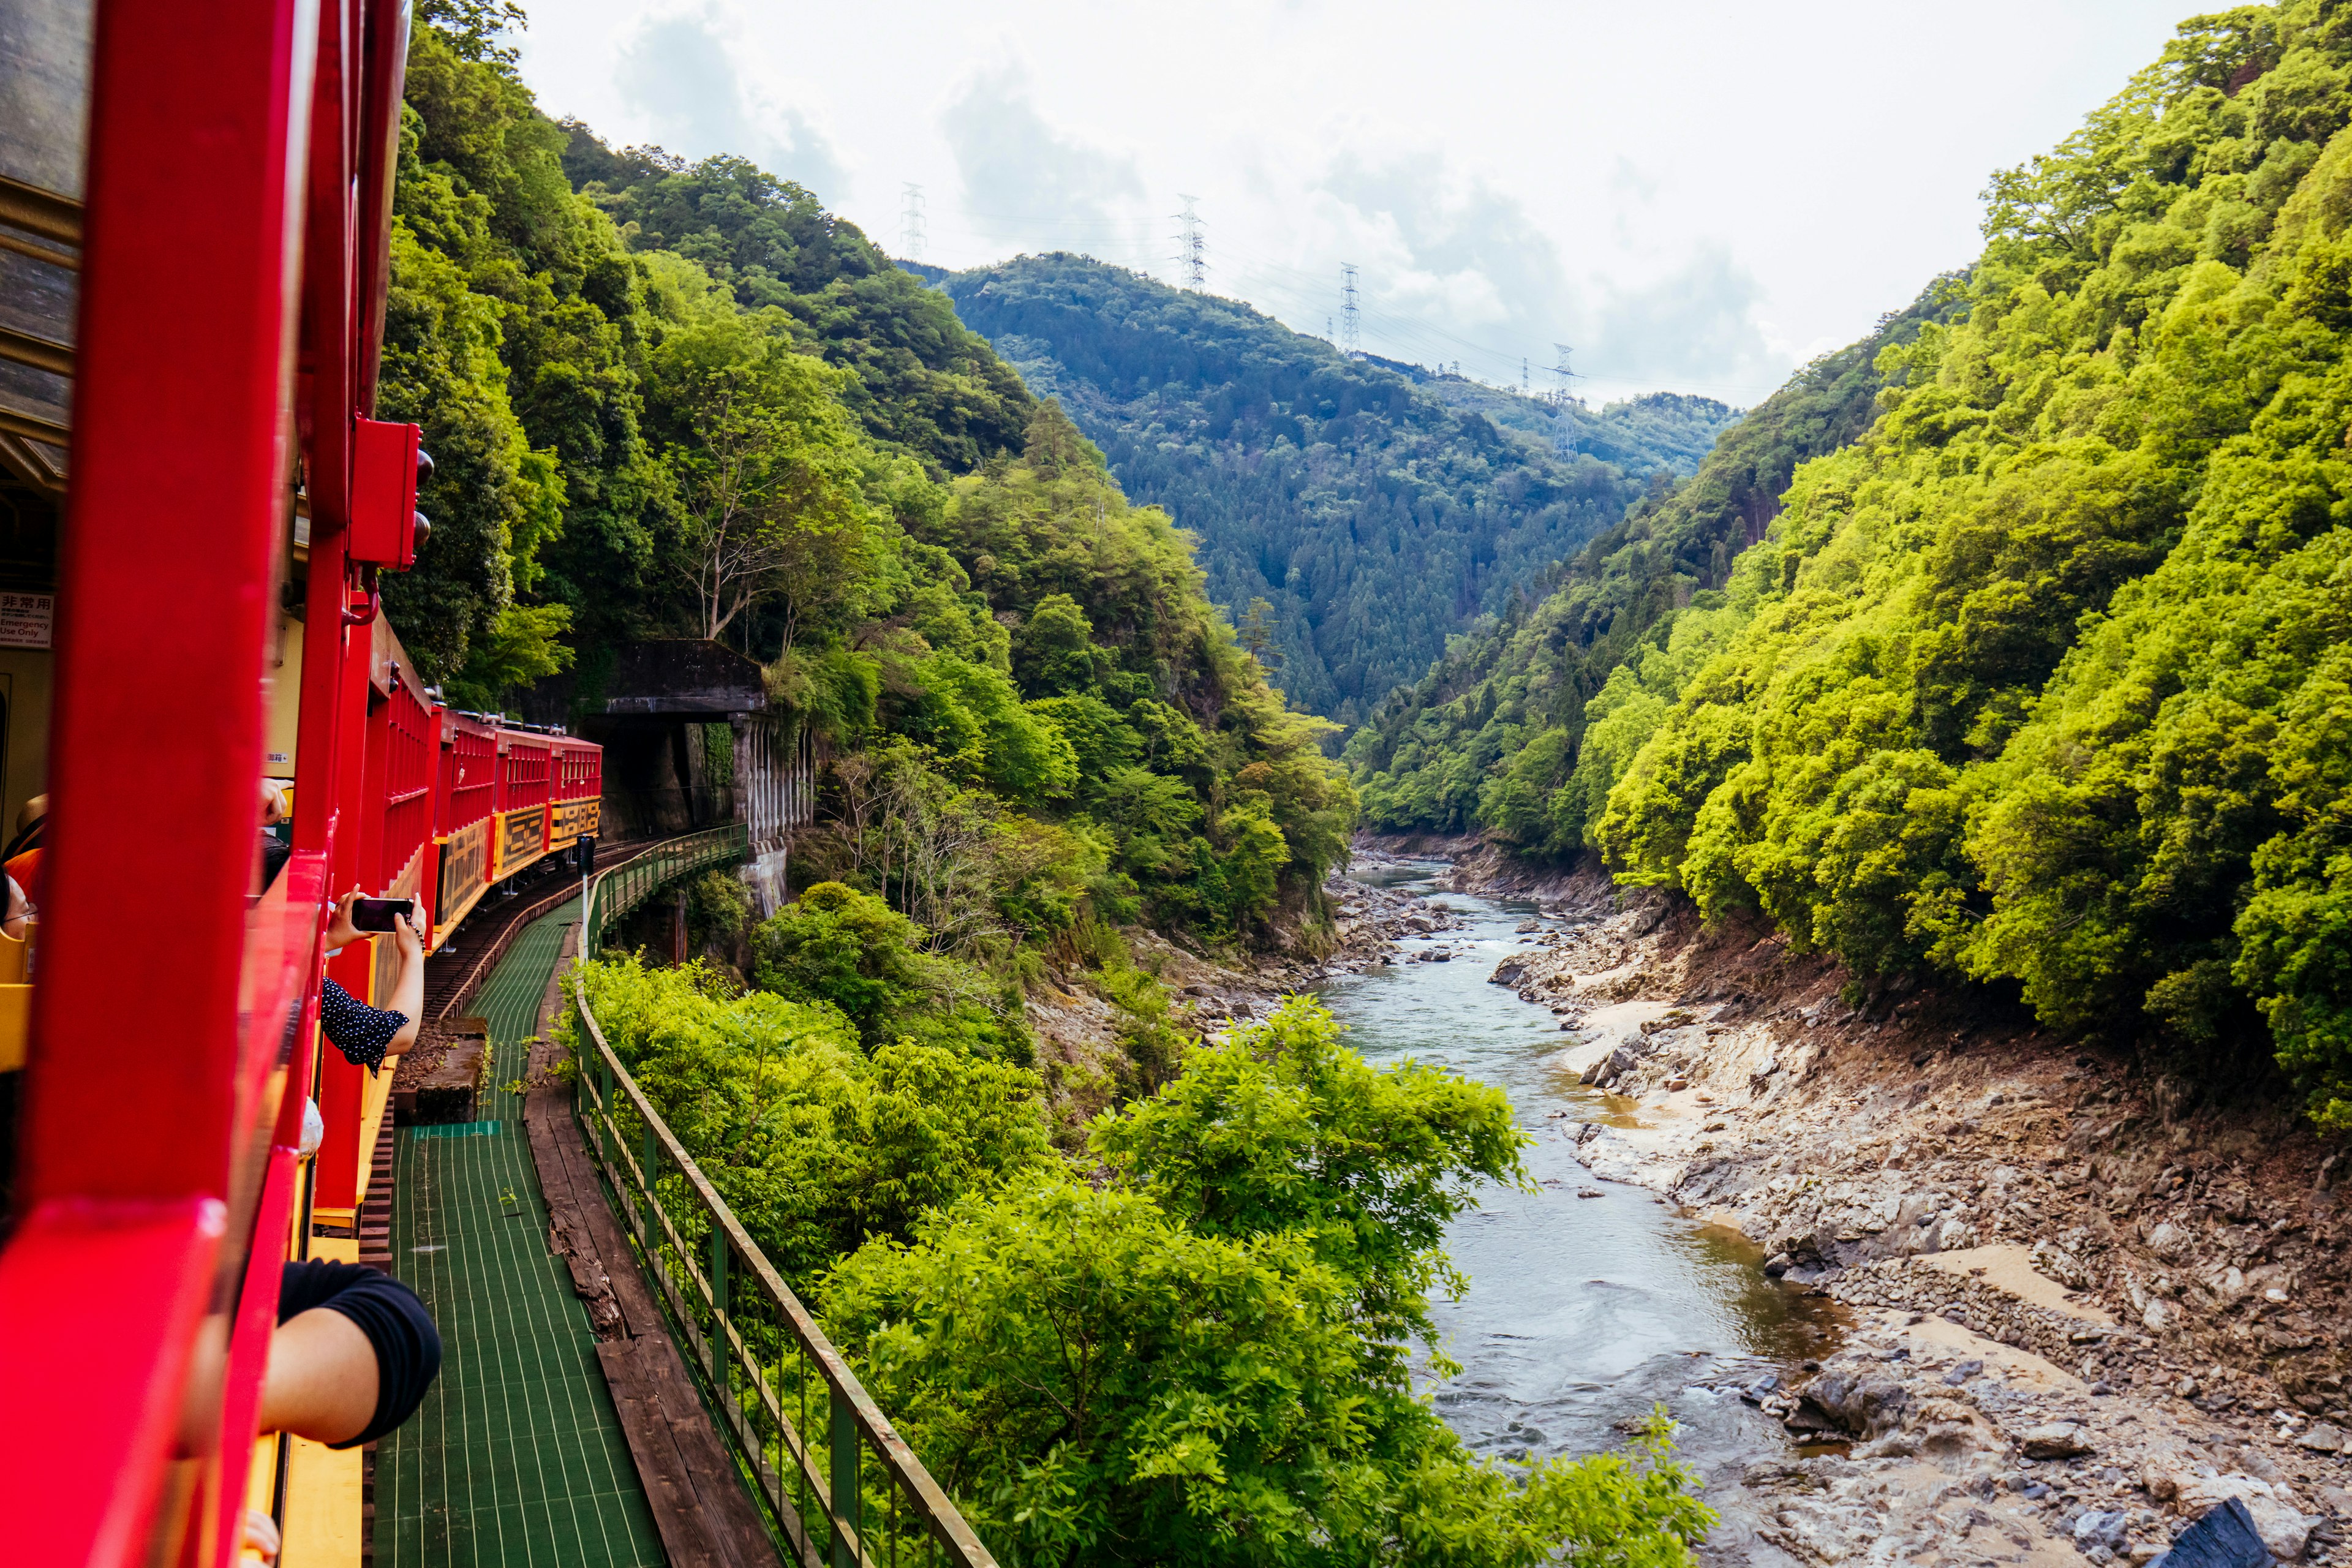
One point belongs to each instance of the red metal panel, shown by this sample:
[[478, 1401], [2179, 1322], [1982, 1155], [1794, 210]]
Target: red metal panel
[[469, 771], [92, 1378], [524, 773], [181, 461], [411, 751], [384, 494]]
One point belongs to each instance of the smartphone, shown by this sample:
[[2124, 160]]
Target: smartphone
[[375, 914]]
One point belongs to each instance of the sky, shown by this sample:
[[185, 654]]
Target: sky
[[1695, 197]]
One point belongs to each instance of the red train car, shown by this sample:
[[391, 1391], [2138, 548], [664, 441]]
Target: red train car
[[575, 804], [197, 417], [467, 796]]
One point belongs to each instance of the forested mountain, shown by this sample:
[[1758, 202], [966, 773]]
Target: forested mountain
[[2046, 680], [731, 417], [1493, 736], [1374, 520]]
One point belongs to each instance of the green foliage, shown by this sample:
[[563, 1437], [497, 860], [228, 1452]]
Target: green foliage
[[1494, 737], [769, 473], [2039, 681], [853, 952], [1283, 1128], [1180, 1367], [815, 1145], [1372, 519]]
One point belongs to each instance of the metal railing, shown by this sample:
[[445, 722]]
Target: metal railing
[[615, 891], [855, 1495]]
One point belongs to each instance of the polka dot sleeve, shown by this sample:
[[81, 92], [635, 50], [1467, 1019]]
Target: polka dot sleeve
[[359, 1031]]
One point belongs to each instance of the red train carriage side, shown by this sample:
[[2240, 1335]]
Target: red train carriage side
[[464, 800], [526, 776], [227, 494], [574, 808], [246, 163]]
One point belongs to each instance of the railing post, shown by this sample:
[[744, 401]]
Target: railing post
[[721, 1359], [843, 1442]]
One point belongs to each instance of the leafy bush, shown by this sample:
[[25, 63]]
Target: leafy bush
[[815, 1145], [853, 952]]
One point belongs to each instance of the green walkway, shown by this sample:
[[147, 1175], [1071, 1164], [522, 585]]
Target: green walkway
[[516, 1458]]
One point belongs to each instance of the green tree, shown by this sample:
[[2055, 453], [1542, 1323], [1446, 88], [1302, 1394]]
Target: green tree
[[768, 474]]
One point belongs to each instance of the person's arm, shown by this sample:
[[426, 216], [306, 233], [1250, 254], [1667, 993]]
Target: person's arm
[[322, 1378], [18, 908], [408, 987]]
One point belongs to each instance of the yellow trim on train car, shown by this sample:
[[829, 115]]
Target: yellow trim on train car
[[464, 867], [16, 1026], [519, 839], [16, 998], [325, 1524], [573, 820]]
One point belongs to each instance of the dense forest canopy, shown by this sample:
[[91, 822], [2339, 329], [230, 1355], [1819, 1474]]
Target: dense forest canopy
[[1492, 738], [2042, 681], [1376, 509]]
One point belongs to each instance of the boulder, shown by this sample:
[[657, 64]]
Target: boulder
[[2225, 1537], [1510, 972], [2326, 1437], [2093, 1527], [1618, 1062], [1856, 1403], [2282, 1527], [2057, 1440]]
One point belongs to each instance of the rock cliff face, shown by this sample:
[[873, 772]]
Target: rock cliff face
[[2086, 1306]]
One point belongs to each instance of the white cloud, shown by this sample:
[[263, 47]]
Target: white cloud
[[681, 74], [1694, 196], [1020, 174]]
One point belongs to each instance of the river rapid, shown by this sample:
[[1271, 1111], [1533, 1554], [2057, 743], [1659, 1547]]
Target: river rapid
[[1582, 1310]]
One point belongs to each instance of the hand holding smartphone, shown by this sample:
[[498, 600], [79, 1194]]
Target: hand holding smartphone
[[376, 914]]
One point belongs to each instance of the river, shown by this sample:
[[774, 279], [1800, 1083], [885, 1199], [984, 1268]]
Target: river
[[1581, 1313]]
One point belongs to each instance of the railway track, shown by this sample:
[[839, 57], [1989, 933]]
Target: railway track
[[452, 975]]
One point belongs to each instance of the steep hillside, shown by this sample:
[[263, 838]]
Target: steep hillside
[[924, 382], [1495, 735], [731, 418], [1375, 520], [2046, 680]]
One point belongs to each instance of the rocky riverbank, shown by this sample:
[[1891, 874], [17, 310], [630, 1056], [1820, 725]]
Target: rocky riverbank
[[2085, 1307]]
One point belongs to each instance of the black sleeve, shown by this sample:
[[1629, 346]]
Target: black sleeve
[[361, 1032], [407, 1346]]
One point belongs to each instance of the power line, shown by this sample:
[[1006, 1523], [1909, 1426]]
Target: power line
[[1351, 338], [911, 238], [1192, 250]]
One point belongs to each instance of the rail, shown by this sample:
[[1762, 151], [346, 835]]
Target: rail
[[615, 891], [853, 1497]]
